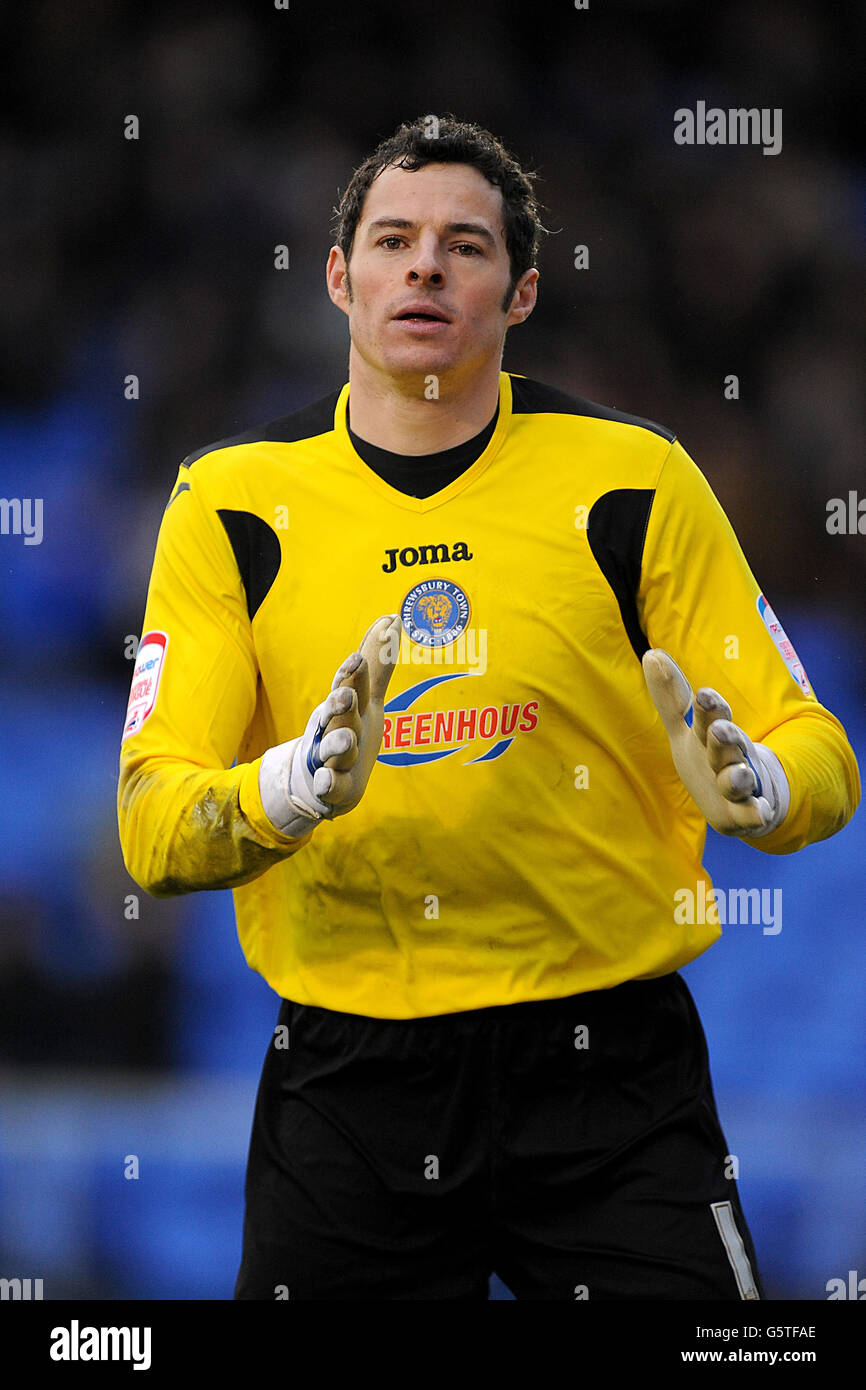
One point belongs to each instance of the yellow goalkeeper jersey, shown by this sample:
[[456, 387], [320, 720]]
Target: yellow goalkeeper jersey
[[524, 832]]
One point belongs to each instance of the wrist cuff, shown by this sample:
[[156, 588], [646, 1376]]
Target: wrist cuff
[[772, 769], [274, 775]]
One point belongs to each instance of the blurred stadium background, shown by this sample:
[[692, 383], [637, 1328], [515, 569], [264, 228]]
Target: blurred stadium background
[[155, 257]]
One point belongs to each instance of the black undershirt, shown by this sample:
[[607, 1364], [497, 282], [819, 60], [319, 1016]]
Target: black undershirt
[[420, 475]]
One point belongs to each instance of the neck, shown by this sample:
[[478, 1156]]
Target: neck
[[396, 415]]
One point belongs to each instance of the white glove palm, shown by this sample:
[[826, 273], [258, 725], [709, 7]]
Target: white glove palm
[[739, 786], [324, 773]]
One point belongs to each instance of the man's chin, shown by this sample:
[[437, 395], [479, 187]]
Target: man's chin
[[420, 367], [423, 368], [423, 360]]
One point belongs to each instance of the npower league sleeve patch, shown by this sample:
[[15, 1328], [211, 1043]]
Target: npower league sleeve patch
[[145, 681], [786, 649]]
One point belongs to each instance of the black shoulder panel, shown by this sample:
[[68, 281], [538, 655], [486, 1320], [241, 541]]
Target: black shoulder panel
[[257, 551], [534, 398], [615, 530], [310, 420], [181, 487]]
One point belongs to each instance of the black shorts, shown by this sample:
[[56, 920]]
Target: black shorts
[[571, 1146]]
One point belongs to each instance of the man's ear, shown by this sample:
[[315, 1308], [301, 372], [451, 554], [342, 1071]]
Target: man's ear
[[524, 298], [337, 279]]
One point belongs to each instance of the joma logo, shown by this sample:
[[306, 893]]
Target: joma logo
[[426, 555]]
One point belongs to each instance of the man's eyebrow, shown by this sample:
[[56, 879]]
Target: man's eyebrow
[[467, 228]]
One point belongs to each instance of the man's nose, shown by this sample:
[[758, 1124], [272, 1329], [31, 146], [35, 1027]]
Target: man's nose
[[427, 264]]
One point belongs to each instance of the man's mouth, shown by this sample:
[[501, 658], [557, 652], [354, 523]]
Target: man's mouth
[[419, 314]]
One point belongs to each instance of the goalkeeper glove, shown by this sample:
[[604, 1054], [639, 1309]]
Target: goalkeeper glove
[[739, 786], [324, 773]]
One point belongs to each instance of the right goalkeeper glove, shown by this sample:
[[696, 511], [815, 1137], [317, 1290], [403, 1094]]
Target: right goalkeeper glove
[[324, 773]]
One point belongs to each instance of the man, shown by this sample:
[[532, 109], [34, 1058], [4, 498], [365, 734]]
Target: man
[[485, 1058]]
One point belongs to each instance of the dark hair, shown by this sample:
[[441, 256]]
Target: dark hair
[[414, 145]]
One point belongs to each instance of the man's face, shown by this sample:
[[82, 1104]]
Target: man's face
[[432, 241]]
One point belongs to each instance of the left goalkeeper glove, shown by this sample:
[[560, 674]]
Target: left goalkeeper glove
[[739, 786]]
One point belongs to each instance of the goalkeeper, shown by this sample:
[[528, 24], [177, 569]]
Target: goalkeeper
[[458, 866]]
